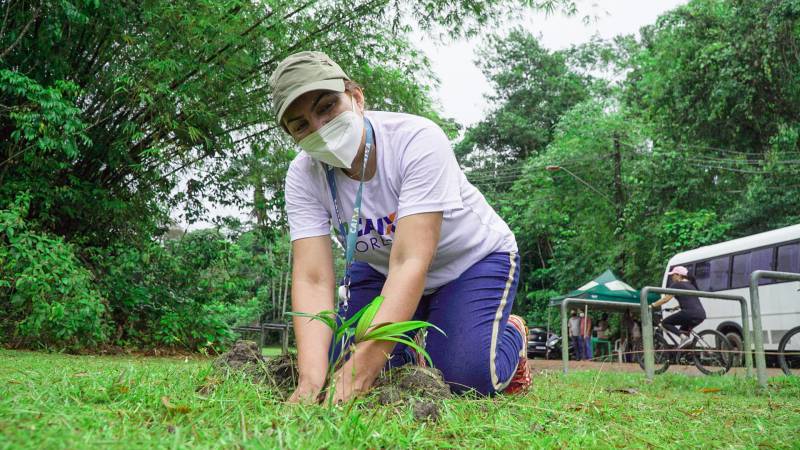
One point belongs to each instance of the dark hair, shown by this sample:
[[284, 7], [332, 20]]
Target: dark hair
[[350, 85], [692, 280]]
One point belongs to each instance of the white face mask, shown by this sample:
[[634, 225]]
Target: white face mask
[[337, 142]]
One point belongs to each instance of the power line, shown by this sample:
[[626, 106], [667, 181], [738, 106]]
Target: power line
[[716, 149]]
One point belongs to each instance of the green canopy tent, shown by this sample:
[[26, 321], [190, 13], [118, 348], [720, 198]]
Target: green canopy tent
[[604, 289], [605, 293]]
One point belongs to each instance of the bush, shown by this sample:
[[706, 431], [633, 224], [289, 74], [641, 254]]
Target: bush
[[47, 297], [186, 293]]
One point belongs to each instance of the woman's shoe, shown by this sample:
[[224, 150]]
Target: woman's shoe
[[521, 380]]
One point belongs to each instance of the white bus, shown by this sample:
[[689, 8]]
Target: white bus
[[726, 268]]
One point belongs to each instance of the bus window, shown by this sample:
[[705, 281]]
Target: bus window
[[702, 273], [789, 258], [746, 263], [740, 272], [719, 273], [761, 260]]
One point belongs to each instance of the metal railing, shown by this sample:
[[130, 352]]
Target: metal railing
[[262, 328], [755, 306], [647, 324]]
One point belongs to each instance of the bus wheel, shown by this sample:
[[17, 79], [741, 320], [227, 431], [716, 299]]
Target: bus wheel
[[738, 348]]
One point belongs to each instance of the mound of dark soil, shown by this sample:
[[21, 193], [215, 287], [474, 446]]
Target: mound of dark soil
[[245, 357], [407, 382], [420, 387]]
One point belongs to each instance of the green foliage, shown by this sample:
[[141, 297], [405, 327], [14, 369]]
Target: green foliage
[[185, 293], [685, 138], [47, 297], [49, 120], [112, 114], [188, 292], [681, 230], [130, 97], [721, 73], [567, 231]]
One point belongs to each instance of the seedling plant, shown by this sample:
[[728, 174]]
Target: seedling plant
[[359, 328]]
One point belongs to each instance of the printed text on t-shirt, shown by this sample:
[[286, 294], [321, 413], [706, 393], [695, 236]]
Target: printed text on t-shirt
[[381, 228]]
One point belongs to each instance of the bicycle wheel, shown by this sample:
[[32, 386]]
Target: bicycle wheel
[[789, 352], [712, 353], [661, 354]]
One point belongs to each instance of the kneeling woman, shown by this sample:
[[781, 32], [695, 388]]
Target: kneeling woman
[[425, 239]]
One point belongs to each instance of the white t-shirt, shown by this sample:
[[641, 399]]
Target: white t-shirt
[[416, 173]]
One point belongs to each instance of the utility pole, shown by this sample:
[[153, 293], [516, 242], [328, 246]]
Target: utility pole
[[619, 198]]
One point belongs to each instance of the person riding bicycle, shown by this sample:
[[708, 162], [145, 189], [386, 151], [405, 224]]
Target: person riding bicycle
[[691, 312]]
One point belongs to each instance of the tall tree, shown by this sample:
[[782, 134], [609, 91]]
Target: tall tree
[[533, 87], [720, 82], [105, 103]]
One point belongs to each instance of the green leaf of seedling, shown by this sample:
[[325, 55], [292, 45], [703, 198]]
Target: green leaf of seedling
[[398, 328], [324, 317], [349, 323], [403, 339], [366, 319]]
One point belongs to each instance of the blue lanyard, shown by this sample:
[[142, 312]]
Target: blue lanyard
[[350, 235]]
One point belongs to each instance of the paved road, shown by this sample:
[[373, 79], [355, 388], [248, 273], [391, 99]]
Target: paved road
[[542, 365]]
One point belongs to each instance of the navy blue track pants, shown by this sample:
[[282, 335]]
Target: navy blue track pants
[[481, 350]]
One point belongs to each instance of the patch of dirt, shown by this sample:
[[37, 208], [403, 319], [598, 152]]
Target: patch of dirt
[[419, 388], [426, 410], [279, 373], [408, 382], [422, 388]]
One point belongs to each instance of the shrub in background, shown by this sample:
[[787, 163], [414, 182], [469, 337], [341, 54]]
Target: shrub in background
[[184, 293], [47, 297]]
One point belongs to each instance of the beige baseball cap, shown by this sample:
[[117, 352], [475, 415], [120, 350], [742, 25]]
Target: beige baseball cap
[[300, 73]]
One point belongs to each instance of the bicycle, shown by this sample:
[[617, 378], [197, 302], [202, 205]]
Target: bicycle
[[789, 352], [709, 350]]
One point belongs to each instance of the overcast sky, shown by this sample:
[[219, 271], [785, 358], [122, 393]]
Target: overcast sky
[[462, 89]]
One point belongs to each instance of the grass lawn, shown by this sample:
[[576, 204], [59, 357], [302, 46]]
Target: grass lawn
[[62, 401]]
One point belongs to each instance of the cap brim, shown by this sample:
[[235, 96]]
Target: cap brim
[[336, 84]]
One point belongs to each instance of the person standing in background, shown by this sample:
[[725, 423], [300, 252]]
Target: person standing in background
[[586, 335], [575, 334], [636, 336], [602, 327]]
